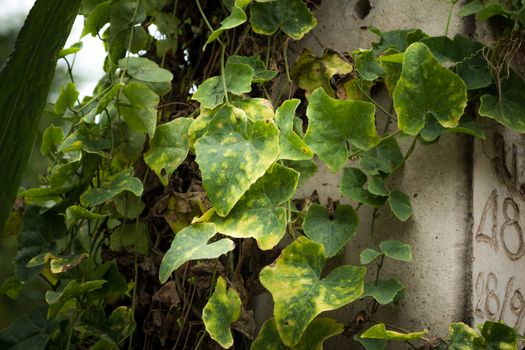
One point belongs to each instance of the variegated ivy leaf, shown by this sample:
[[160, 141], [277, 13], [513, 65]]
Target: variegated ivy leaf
[[238, 78], [299, 293], [427, 87], [235, 19], [257, 214], [267, 17], [191, 243], [311, 72], [334, 123], [383, 292], [87, 140], [233, 154], [379, 331], [261, 74], [332, 232], [145, 70], [168, 148], [292, 146], [461, 336], [118, 183], [313, 337], [222, 309], [138, 106], [256, 108]]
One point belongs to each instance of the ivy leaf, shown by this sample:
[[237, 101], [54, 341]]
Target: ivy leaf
[[383, 292], [400, 205], [380, 332], [427, 87], [118, 183], [71, 292], [351, 186], [52, 137], [395, 40], [298, 292], [461, 336], [235, 19], [368, 255], [508, 108], [306, 168], [257, 214], [311, 72], [222, 309], [135, 235], [168, 148], [371, 344], [11, 287], [333, 123], [30, 331], [396, 250], [333, 233], [144, 69], [313, 337], [367, 65], [97, 19], [383, 158], [138, 106], [238, 78], [260, 73], [75, 212], [377, 186], [191, 243], [256, 108], [498, 336], [484, 11], [292, 146], [267, 17], [67, 99], [87, 140], [233, 154]]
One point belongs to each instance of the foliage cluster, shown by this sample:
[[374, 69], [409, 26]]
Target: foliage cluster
[[171, 192]]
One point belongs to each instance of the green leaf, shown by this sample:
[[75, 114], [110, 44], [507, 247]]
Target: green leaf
[[138, 106], [461, 336], [257, 214], [499, 336], [233, 154], [168, 148], [72, 291], [70, 50], [427, 87], [191, 243], [238, 78], [298, 292], [256, 108], [222, 309], [368, 255], [291, 144], [351, 186], [383, 292], [380, 332], [75, 213], [334, 123], [30, 331], [307, 168], [371, 344], [11, 287], [313, 337], [399, 203], [135, 235], [144, 69], [267, 17], [508, 108], [396, 250], [475, 72], [97, 19], [383, 158], [377, 186], [260, 73], [235, 19], [367, 65], [53, 136], [484, 11], [332, 232], [112, 186], [311, 72], [67, 99], [85, 139], [26, 79], [121, 323], [396, 40]]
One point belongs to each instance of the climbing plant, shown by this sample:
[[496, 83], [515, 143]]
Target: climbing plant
[[170, 203]]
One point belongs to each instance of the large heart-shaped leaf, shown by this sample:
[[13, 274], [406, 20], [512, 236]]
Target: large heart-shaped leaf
[[191, 243], [334, 123], [298, 291], [138, 106], [499, 336], [427, 87], [267, 17], [313, 337], [233, 154], [118, 183], [222, 309], [332, 232], [292, 146], [257, 214], [168, 148]]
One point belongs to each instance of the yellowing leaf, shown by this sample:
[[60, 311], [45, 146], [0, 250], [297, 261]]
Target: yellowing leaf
[[299, 293], [291, 144]]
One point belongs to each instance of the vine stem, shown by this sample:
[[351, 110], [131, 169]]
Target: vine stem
[[452, 3], [387, 113], [407, 155]]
